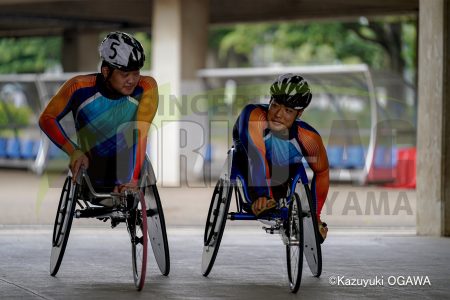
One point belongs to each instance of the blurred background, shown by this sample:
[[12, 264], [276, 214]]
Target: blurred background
[[210, 59]]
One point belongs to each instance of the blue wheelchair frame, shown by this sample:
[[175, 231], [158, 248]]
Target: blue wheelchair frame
[[243, 202], [298, 199]]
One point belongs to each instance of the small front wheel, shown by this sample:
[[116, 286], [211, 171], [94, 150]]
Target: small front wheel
[[137, 228], [294, 247]]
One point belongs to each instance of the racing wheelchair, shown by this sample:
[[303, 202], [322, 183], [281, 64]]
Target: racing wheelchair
[[294, 219], [141, 211]]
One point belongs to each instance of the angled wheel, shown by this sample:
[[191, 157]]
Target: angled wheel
[[294, 247], [312, 248], [63, 223], [215, 223], [157, 228], [137, 228]]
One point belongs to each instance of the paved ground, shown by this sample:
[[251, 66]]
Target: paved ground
[[29, 199], [250, 265], [371, 241]]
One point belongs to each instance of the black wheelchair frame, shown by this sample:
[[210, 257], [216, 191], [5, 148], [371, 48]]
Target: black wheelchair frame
[[141, 211]]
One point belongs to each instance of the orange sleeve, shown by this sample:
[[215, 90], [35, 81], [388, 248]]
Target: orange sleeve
[[256, 124], [316, 156], [148, 105], [59, 106]]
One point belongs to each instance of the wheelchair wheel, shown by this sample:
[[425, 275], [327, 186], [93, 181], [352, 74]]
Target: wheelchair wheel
[[312, 248], [215, 223], [137, 228], [157, 228], [294, 248], [63, 223]]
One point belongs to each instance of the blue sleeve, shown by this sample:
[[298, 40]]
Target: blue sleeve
[[251, 125]]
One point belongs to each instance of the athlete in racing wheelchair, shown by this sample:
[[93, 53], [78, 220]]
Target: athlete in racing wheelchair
[[265, 172], [110, 177], [140, 209]]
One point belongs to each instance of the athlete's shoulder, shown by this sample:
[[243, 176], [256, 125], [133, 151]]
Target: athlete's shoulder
[[147, 82], [303, 125], [77, 83], [83, 80], [257, 108], [254, 112]]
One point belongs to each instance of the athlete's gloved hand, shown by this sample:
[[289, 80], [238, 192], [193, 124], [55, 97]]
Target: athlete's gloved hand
[[131, 186], [78, 160], [263, 204]]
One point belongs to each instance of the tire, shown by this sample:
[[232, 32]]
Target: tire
[[215, 224], [294, 247], [211, 220], [137, 229], [157, 228], [312, 247], [63, 223]]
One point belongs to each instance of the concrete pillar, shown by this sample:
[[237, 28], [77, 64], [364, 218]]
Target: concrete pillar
[[166, 43], [194, 37], [80, 51], [433, 130], [179, 40]]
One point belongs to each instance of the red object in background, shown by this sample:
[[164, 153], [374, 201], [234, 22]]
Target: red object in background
[[405, 172]]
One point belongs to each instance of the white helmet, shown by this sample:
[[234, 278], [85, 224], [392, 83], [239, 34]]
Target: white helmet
[[122, 51]]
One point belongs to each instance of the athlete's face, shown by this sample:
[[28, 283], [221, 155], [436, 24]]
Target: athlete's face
[[121, 81], [281, 117]]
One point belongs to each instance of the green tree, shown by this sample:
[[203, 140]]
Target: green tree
[[397, 37], [146, 42], [387, 43], [38, 54], [13, 118], [29, 54]]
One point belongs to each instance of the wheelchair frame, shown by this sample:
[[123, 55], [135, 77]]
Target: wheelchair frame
[[292, 211], [144, 214]]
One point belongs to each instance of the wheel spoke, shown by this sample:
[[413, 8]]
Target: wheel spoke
[[139, 241]]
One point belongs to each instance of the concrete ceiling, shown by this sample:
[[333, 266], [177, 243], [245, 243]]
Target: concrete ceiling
[[47, 17], [265, 10], [51, 17]]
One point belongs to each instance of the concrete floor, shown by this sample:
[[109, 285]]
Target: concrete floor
[[250, 265], [27, 199], [372, 237]]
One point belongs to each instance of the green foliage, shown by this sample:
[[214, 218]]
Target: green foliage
[[291, 43], [29, 55], [12, 116], [37, 54], [146, 42], [243, 38], [409, 46]]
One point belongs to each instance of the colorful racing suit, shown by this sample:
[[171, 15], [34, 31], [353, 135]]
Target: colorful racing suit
[[270, 160], [110, 129]]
